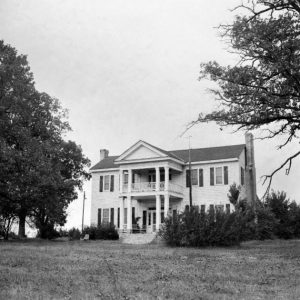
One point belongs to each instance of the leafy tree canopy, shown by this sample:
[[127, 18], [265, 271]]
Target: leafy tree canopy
[[40, 171], [262, 91]]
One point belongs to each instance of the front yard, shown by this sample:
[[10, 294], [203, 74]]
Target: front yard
[[110, 270]]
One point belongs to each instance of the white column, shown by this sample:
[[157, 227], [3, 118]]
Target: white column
[[157, 179], [129, 214], [121, 181], [166, 204], [121, 213], [157, 212], [129, 180], [166, 178]]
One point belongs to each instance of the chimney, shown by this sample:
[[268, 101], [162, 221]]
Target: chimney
[[250, 174], [103, 154]]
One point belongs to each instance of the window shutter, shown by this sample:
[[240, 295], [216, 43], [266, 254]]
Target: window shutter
[[212, 176], [101, 184], [133, 215], [99, 216], [187, 178], [144, 219], [225, 175], [112, 177], [200, 177], [118, 217]]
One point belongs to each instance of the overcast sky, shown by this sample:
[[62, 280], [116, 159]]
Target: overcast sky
[[128, 70]]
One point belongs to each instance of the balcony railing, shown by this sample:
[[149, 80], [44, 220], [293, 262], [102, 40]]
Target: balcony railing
[[141, 187]]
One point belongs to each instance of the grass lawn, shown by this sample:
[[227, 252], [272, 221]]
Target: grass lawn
[[110, 270]]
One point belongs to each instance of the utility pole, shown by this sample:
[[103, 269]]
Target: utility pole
[[190, 171], [83, 212]]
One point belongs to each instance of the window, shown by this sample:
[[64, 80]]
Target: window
[[203, 208], [125, 178], [219, 208], [106, 183], [194, 178], [242, 176], [219, 175], [105, 218], [219, 179], [200, 177]]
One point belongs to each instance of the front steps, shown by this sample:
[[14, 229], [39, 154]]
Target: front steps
[[137, 238]]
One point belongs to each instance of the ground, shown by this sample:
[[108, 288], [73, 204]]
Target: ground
[[111, 270]]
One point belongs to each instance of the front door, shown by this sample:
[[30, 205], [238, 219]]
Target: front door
[[151, 221]]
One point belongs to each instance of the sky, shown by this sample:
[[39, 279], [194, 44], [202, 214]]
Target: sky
[[128, 70]]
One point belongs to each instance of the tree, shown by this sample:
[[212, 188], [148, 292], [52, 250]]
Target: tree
[[262, 91], [39, 170]]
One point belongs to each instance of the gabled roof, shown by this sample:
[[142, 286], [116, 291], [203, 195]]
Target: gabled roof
[[197, 155], [106, 163], [158, 151], [212, 153]]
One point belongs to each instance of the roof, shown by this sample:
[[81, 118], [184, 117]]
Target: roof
[[212, 153], [197, 155]]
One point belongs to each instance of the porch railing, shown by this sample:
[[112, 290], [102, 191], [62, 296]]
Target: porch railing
[[140, 187]]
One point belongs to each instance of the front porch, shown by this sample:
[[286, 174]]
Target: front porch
[[148, 214]]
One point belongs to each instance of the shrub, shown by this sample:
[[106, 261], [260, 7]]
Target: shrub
[[193, 229], [102, 232], [74, 234], [47, 231]]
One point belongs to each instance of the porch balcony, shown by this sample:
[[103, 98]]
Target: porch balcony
[[146, 187]]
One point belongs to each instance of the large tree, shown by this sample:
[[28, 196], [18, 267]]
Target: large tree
[[262, 91], [37, 170]]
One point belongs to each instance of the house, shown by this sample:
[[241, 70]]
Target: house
[[145, 184]]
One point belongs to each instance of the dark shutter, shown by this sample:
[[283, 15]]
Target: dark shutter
[[133, 215], [200, 177], [144, 219], [112, 216], [225, 175], [242, 176], [99, 216], [174, 214], [112, 177], [118, 217], [162, 217], [211, 208], [101, 184], [187, 178], [212, 176]]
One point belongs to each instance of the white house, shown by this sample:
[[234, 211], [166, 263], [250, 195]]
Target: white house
[[145, 184]]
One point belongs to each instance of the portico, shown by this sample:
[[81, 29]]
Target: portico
[[158, 187]]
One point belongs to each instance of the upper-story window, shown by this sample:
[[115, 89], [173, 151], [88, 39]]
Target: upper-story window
[[194, 177], [219, 175], [197, 177], [106, 183]]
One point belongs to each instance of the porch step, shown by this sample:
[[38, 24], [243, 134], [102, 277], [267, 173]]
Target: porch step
[[137, 238]]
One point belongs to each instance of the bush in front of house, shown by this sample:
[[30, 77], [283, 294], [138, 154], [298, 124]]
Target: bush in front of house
[[102, 232], [74, 234], [198, 229]]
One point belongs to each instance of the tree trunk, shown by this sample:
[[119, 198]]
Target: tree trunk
[[22, 218]]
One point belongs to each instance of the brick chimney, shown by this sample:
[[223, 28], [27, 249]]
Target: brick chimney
[[250, 174], [103, 154]]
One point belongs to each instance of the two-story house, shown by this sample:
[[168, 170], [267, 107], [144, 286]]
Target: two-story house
[[145, 184]]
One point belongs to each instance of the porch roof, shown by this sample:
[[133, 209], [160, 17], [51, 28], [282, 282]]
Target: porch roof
[[197, 155]]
